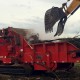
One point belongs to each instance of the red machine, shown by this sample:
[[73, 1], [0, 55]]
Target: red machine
[[15, 50]]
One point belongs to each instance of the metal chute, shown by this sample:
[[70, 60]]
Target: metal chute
[[52, 16]]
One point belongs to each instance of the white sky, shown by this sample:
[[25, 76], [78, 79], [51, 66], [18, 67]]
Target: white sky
[[30, 14]]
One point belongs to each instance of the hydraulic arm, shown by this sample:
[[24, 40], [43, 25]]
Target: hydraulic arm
[[60, 14]]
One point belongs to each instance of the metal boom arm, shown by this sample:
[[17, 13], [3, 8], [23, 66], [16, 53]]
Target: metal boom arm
[[58, 14]]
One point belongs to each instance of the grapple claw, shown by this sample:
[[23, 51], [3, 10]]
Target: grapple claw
[[51, 17], [61, 25]]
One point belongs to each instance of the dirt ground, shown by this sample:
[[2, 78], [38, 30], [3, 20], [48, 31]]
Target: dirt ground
[[73, 74]]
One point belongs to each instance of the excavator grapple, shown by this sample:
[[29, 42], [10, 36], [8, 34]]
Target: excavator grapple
[[52, 16], [56, 14]]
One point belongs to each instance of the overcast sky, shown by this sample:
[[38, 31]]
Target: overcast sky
[[30, 14]]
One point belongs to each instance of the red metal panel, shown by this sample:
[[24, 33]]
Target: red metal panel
[[39, 56], [55, 56], [6, 60], [62, 52], [39, 67], [72, 55]]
